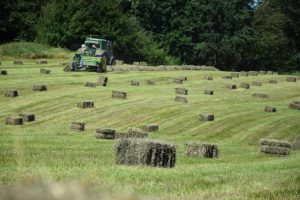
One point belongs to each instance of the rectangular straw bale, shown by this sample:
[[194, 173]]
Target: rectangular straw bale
[[14, 121], [274, 150], [18, 62], [294, 106], [231, 86], [105, 133], [77, 126], [252, 73], [181, 99], [3, 72], [206, 117], [209, 92], [11, 93], [184, 78], [150, 127], [41, 62], [102, 81], [270, 72], [150, 82], [227, 77], [243, 73], [45, 71], [85, 104], [90, 84], [177, 80], [276, 143], [145, 152], [119, 62], [235, 74], [260, 95], [197, 149], [136, 132], [118, 95], [270, 109], [39, 88], [291, 79], [245, 85], [273, 81], [262, 72], [27, 117], [136, 63], [135, 83], [210, 78], [256, 83], [143, 63], [181, 91]]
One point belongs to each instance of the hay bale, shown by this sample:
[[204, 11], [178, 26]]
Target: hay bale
[[3, 72], [273, 81], [45, 71], [150, 127], [150, 82], [235, 75], [136, 63], [105, 133], [90, 84], [260, 95], [27, 117], [210, 78], [14, 121], [270, 72], [209, 92], [243, 73], [227, 77], [206, 117], [119, 62], [296, 143], [245, 85], [102, 81], [39, 88], [18, 62], [256, 83], [231, 86], [145, 152], [143, 64], [252, 73], [291, 79], [135, 83], [181, 99], [118, 95], [183, 78], [181, 91], [262, 72], [85, 104], [77, 126], [41, 62], [294, 106], [275, 150], [275, 143], [196, 149], [270, 109], [132, 133], [177, 80], [11, 93], [67, 68]]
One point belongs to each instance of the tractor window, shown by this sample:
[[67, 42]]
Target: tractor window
[[103, 45]]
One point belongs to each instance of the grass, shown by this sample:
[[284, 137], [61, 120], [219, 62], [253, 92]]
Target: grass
[[47, 149]]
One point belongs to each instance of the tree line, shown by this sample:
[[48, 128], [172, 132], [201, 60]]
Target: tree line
[[231, 35]]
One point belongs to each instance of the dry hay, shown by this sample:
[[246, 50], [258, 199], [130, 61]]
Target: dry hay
[[145, 152], [3, 72], [181, 99], [273, 81], [119, 62], [275, 147], [136, 63], [245, 85], [206, 117], [256, 83], [177, 80], [39, 88], [18, 62], [296, 143], [270, 72], [132, 133], [209, 92], [181, 91], [14, 121], [90, 84], [118, 95], [150, 127], [183, 78], [102, 81], [252, 73], [197, 149], [105, 133], [85, 104], [227, 77], [67, 68], [150, 82], [291, 79], [143, 63], [231, 86], [11, 93], [27, 117], [135, 83], [270, 109], [77, 126], [45, 71], [235, 75], [262, 72], [243, 73], [275, 143], [41, 62], [295, 105], [210, 78], [260, 95]]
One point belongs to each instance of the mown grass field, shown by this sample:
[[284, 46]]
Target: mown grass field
[[48, 149]]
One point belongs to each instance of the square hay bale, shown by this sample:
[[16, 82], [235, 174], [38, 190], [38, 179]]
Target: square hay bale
[[270, 109], [145, 152], [40, 88], [296, 143], [177, 80], [210, 78], [196, 149], [14, 121], [77, 126], [183, 78], [235, 75], [245, 85], [252, 73], [256, 83], [18, 62], [209, 92], [45, 71], [85, 104], [27, 117], [41, 62], [294, 106], [206, 117], [105, 133], [275, 143], [243, 73], [227, 77], [11, 93], [260, 95], [135, 83], [132, 133], [119, 62], [90, 84], [102, 81], [273, 81], [270, 72], [3, 72], [150, 82], [262, 72], [118, 95], [136, 63], [231, 86], [274, 150], [143, 63], [150, 127], [181, 91], [181, 99], [291, 79]]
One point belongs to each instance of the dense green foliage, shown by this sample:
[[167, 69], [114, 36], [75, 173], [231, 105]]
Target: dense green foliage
[[235, 34]]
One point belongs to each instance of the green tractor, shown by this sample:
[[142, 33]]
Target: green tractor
[[94, 55]]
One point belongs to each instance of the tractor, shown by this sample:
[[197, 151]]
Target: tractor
[[94, 55]]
